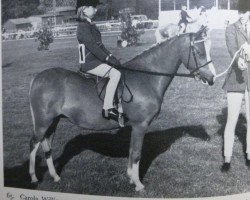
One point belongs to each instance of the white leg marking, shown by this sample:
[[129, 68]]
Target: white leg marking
[[129, 173], [135, 177], [52, 169], [32, 164]]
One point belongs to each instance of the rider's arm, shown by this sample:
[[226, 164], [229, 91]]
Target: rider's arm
[[186, 15], [85, 37]]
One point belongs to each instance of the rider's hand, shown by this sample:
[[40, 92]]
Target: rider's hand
[[111, 60], [242, 64]]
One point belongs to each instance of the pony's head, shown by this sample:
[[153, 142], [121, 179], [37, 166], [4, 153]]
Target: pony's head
[[198, 60]]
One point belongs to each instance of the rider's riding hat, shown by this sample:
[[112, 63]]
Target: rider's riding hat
[[244, 5], [81, 3]]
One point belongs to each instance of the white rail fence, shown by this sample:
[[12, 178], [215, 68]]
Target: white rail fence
[[108, 27]]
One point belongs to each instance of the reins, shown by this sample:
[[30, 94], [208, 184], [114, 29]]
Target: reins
[[156, 73], [235, 55]]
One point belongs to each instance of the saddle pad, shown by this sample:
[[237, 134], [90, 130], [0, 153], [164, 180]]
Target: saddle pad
[[100, 84]]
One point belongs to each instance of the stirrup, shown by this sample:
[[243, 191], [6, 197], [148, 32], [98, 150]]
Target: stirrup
[[111, 113]]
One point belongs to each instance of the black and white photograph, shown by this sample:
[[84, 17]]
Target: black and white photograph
[[125, 99]]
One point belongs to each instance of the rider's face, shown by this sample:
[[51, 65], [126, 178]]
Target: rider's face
[[244, 17], [90, 11]]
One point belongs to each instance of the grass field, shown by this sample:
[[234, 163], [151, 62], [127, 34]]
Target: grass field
[[182, 151]]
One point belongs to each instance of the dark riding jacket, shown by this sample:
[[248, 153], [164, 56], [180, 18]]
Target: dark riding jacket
[[236, 80], [95, 52], [184, 17]]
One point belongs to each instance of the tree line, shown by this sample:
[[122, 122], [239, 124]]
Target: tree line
[[25, 8]]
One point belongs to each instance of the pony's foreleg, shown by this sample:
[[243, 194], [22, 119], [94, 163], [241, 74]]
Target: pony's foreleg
[[136, 143], [46, 144], [34, 145]]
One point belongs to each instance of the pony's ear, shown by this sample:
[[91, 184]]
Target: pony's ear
[[201, 32]]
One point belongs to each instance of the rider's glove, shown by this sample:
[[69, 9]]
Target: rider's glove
[[112, 61]]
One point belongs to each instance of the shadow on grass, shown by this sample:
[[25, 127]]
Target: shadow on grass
[[117, 145], [7, 65], [240, 130], [18, 177], [112, 145]]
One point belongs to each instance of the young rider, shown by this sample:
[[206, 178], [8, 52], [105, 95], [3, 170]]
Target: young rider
[[97, 59], [184, 19]]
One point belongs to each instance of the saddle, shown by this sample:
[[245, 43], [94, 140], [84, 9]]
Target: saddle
[[123, 93]]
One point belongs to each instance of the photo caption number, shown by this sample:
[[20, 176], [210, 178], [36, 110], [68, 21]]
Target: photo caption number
[[10, 196]]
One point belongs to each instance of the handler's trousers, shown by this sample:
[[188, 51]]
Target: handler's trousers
[[114, 75], [234, 105]]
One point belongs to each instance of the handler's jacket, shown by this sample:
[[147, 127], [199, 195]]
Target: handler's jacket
[[236, 80], [95, 52]]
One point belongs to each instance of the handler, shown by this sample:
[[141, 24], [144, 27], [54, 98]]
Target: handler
[[237, 82], [94, 57]]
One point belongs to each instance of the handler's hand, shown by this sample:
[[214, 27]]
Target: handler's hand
[[242, 64], [246, 49]]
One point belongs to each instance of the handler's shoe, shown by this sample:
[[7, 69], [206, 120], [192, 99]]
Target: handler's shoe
[[247, 161], [225, 167]]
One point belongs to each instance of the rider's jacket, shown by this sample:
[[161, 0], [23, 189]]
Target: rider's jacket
[[91, 49], [236, 80], [184, 17]]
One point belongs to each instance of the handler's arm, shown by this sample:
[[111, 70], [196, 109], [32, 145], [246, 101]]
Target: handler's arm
[[231, 41], [84, 36]]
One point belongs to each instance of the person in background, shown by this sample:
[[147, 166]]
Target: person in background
[[185, 18], [202, 19], [237, 82], [94, 57]]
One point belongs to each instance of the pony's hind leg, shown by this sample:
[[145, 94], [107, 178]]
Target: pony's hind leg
[[46, 145], [34, 145], [43, 132]]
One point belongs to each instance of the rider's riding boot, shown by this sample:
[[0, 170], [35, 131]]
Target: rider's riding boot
[[111, 113]]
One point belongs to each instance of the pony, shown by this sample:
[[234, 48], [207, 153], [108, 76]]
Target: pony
[[58, 93], [170, 30]]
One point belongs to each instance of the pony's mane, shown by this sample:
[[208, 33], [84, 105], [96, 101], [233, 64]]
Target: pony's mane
[[155, 46]]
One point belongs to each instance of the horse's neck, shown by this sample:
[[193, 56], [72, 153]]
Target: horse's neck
[[164, 58], [161, 58]]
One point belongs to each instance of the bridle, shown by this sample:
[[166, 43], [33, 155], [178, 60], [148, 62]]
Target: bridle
[[193, 52], [192, 73]]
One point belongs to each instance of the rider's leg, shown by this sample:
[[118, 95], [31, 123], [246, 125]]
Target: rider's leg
[[182, 28], [114, 75], [234, 100]]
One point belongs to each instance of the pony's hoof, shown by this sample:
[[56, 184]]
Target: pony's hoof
[[34, 180], [225, 167], [57, 179], [139, 188]]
